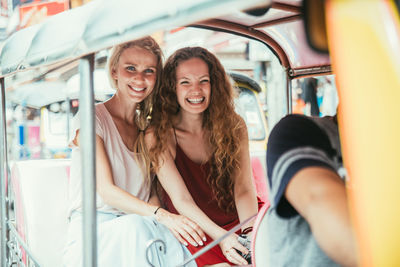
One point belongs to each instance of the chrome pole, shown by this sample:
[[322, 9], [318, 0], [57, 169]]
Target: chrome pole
[[3, 176], [88, 154], [20, 242], [10, 8], [289, 95], [68, 111]]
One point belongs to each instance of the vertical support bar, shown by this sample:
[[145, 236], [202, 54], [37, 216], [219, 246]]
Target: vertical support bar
[[289, 103], [10, 8], [3, 176], [68, 111], [88, 154], [276, 93]]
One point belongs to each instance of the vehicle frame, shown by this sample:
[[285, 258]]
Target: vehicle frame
[[362, 37]]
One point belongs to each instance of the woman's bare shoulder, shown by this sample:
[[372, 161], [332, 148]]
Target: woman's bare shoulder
[[242, 127]]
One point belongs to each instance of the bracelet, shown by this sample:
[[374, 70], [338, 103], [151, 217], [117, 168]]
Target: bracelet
[[155, 212], [247, 230]]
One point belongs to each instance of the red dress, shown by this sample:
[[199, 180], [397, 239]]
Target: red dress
[[195, 177]]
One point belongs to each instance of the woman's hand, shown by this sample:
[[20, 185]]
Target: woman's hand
[[229, 246], [182, 228]]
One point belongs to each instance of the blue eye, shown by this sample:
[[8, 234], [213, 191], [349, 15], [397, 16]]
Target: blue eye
[[149, 71], [130, 68]]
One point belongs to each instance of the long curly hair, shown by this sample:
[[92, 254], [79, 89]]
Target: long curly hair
[[220, 120], [144, 109]]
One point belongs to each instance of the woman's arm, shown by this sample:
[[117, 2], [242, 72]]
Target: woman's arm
[[319, 195], [154, 200], [175, 187], [244, 190], [111, 194], [115, 196], [173, 184]]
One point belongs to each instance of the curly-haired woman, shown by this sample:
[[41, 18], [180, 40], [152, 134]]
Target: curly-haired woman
[[199, 150]]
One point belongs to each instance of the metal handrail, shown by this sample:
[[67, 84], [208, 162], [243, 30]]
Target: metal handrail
[[3, 177], [203, 250], [21, 242]]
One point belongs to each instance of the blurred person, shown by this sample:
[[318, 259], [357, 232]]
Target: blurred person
[[308, 221], [309, 95], [200, 152], [298, 104], [330, 98], [128, 214]]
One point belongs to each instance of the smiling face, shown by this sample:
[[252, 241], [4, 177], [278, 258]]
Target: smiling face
[[135, 73], [193, 86]]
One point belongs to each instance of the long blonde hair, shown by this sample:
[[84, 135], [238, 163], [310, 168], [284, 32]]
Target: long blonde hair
[[220, 120], [144, 109]]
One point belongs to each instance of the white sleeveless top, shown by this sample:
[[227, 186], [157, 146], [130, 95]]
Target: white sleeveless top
[[125, 170]]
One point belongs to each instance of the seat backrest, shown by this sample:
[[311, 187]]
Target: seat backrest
[[260, 179], [259, 229], [41, 206], [260, 239]]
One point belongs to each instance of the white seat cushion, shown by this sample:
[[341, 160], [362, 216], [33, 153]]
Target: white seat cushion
[[41, 202]]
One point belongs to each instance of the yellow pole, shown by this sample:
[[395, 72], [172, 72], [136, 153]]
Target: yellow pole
[[364, 42]]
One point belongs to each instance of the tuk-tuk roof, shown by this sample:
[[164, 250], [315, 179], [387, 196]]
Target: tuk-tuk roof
[[43, 93], [282, 28], [101, 24]]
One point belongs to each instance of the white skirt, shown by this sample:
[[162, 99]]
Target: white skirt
[[122, 242]]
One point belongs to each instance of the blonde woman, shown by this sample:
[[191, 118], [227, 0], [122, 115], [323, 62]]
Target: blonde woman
[[128, 214]]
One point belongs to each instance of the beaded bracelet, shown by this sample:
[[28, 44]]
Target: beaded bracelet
[[247, 230]]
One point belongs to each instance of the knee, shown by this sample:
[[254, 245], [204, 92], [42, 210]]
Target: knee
[[134, 221], [137, 227]]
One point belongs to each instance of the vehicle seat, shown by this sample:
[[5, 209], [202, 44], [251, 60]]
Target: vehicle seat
[[260, 179], [259, 245], [40, 190]]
